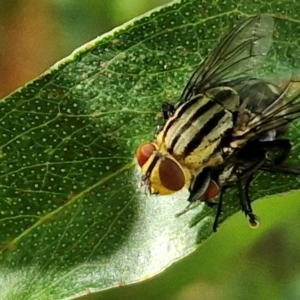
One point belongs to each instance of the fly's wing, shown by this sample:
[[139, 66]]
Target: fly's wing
[[235, 58], [275, 116], [281, 168], [256, 94]]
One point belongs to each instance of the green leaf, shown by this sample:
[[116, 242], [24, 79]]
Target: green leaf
[[73, 216]]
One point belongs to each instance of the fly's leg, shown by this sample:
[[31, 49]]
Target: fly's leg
[[219, 209], [281, 145], [197, 190], [253, 219], [244, 197], [168, 110], [191, 206], [199, 185], [246, 202]]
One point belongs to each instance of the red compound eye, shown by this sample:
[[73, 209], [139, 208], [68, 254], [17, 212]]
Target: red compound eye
[[143, 153], [171, 175], [212, 190]]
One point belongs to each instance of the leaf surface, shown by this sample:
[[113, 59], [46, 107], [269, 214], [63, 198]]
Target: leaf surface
[[73, 218]]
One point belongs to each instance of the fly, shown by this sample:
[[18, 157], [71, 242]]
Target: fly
[[194, 127], [218, 113], [257, 144]]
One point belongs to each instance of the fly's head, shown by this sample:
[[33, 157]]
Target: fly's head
[[161, 173]]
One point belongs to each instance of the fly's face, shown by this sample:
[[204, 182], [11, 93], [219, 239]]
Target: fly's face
[[161, 173], [187, 142]]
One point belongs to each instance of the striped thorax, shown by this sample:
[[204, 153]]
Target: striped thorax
[[188, 141]]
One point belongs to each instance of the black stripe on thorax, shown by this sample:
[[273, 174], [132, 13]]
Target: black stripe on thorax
[[198, 113], [179, 112], [208, 127], [221, 96]]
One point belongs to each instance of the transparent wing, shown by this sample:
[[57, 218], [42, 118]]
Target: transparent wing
[[256, 94], [235, 58], [277, 114]]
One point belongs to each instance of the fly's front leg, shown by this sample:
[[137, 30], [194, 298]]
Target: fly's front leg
[[199, 185], [197, 189], [168, 110]]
